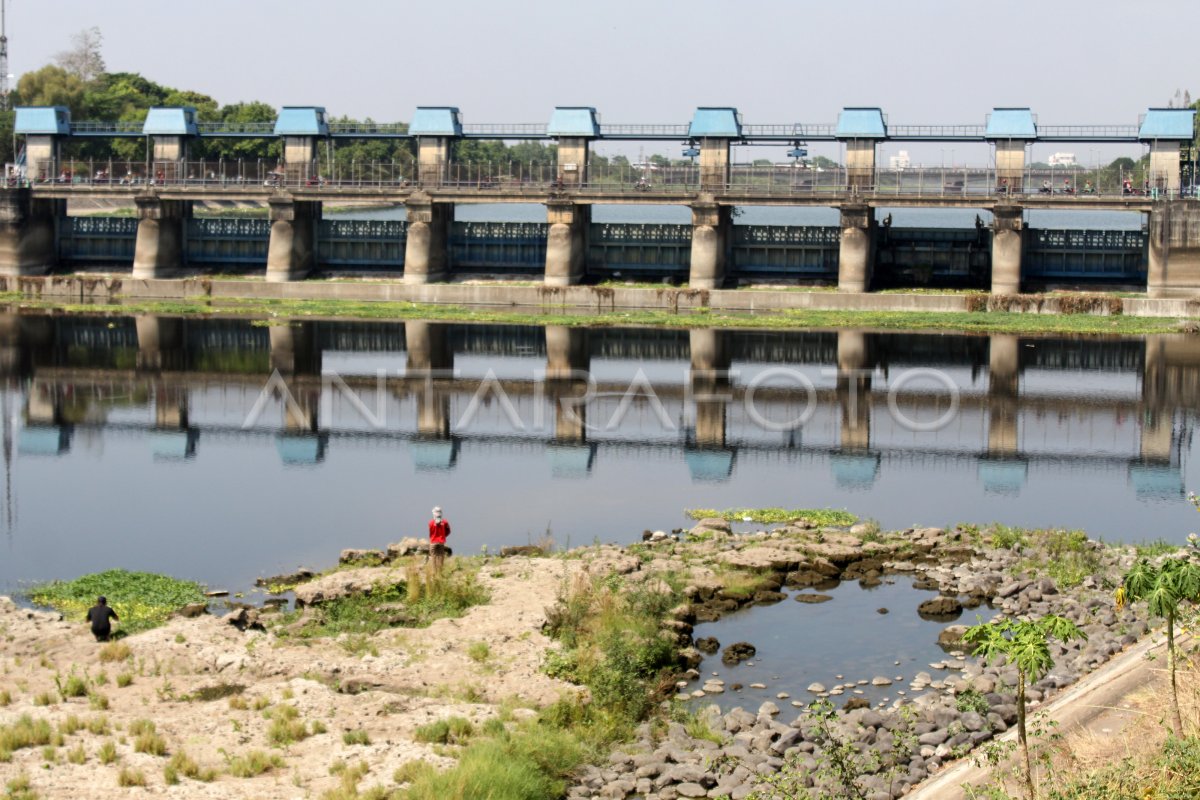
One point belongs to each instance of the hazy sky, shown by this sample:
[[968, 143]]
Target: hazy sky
[[646, 61]]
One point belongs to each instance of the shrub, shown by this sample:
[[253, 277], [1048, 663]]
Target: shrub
[[479, 651], [107, 752], [356, 737], [452, 730], [114, 651], [5, 698], [25, 732], [124, 679], [286, 727], [73, 686], [254, 763], [131, 777]]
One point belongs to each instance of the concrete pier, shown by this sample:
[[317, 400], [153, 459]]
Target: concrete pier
[[854, 368], [567, 354], [566, 243], [1004, 376], [425, 248], [1008, 240], [856, 255], [1173, 268], [711, 224], [160, 343], [294, 349], [710, 385], [161, 236], [27, 233], [291, 254]]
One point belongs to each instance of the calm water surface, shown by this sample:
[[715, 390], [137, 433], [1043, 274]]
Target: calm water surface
[[165, 444]]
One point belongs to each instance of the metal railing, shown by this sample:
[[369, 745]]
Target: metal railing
[[235, 128], [602, 177], [1086, 133], [918, 132], [368, 128]]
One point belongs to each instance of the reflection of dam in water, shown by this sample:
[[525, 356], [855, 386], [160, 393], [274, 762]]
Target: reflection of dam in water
[[854, 405]]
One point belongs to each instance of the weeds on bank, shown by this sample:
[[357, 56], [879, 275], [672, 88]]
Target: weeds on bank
[[420, 598], [611, 641], [821, 517], [143, 600]]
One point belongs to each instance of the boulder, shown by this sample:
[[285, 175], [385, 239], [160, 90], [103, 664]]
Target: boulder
[[941, 606], [739, 651], [345, 583], [299, 576], [244, 619], [408, 546], [708, 644], [711, 525], [521, 550], [192, 610], [951, 636], [808, 597], [763, 558], [351, 556]]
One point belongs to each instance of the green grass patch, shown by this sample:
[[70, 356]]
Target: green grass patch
[[822, 517], [973, 321], [25, 732], [143, 600], [1156, 548], [253, 764], [356, 737], [416, 600], [530, 763], [1169, 772]]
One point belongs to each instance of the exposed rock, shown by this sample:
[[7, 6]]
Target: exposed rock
[[351, 556], [951, 636], [192, 610], [346, 583], [739, 651], [880, 680], [708, 644], [711, 525], [244, 619], [763, 558], [816, 688], [806, 597], [941, 606], [521, 550], [299, 576], [408, 546], [855, 703]]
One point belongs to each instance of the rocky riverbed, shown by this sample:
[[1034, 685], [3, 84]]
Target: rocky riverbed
[[488, 665]]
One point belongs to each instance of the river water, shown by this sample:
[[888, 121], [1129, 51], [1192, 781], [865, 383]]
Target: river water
[[166, 444]]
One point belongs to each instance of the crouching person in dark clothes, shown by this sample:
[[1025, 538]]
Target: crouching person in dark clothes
[[99, 615]]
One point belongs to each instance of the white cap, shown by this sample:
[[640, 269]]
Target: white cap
[[437, 511]]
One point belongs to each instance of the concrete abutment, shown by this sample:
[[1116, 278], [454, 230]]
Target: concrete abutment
[[161, 236], [711, 237], [856, 253], [28, 241], [291, 253]]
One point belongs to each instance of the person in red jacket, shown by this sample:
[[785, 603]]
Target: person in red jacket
[[439, 529]]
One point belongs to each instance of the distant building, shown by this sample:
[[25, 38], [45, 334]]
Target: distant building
[[1063, 160], [900, 160]]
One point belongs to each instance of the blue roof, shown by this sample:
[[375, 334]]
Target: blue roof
[[433, 455], [180, 121], [54, 120], [716, 123], [573, 121], [861, 123], [571, 461], [43, 440], [1011, 123], [297, 449], [1002, 476], [301, 121], [436, 121], [1168, 123], [709, 465], [854, 470]]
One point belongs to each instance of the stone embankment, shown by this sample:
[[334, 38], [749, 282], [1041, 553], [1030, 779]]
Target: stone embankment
[[959, 705]]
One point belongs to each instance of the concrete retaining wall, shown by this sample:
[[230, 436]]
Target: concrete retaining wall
[[110, 289]]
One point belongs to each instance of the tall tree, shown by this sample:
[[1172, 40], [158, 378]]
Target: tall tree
[[1026, 645], [1165, 588], [84, 60]]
